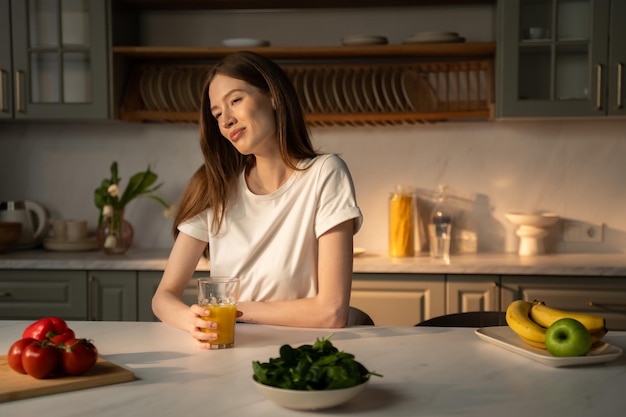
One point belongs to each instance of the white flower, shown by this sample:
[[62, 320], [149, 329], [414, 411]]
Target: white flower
[[110, 242], [169, 212], [107, 211], [113, 190]]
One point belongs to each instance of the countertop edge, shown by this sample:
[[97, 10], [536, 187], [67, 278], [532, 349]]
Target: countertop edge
[[140, 259]]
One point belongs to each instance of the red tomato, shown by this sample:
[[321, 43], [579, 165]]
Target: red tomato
[[40, 359], [14, 358], [44, 328], [60, 338], [78, 356]]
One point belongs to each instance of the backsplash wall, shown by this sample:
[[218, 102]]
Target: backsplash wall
[[576, 169]]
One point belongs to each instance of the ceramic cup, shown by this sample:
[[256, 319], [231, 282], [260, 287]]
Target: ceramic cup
[[76, 230], [59, 230]]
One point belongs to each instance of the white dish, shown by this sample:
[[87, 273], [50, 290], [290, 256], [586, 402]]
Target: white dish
[[70, 246], [244, 42], [309, 400], [504, 337], [358, 251], [358, 40]]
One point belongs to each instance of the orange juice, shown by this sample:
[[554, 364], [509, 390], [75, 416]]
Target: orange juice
[[225, 316]]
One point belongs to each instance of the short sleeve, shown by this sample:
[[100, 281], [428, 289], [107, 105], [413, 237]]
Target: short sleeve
[[336, 197], [197, 227]]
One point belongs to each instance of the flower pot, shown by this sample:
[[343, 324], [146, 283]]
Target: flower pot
[[115, 236]]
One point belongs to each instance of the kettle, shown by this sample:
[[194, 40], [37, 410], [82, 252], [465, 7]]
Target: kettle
[[25, 212]]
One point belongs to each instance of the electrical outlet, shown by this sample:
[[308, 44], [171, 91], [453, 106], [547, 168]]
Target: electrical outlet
[[582, 232]]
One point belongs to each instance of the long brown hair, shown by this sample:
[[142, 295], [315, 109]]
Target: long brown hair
[[212, 183]]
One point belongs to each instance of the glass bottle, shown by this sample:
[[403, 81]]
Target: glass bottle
[[440, 228]]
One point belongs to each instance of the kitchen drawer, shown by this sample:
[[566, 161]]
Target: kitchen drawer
[[604, 296], [35, 294]]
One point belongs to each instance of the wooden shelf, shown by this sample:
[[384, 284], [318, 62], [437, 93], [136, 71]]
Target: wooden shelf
[[450, 50], [287, 4]]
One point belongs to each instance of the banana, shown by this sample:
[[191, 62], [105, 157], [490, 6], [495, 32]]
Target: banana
[[545, 316], [539, 345], [518, 319], [598, 335]]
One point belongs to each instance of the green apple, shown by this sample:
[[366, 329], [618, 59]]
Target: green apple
[[568, 337]]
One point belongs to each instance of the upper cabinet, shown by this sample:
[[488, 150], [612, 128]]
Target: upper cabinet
[[560, 58], [54, 59]]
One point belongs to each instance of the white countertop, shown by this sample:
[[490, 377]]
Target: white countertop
[[427, 372], [369, 262]]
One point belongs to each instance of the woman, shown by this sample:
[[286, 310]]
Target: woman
[[264, 206]]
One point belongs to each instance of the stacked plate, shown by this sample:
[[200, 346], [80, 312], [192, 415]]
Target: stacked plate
[[358, 40], [244, 42], [434, 37]]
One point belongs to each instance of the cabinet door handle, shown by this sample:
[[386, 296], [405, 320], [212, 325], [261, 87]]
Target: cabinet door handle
[[611, 307], [620, 67], [90, 297], [5, 294], [3, 99], [18, 91], [599, 87]]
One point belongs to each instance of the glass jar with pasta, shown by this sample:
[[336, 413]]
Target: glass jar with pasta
[[402, 222]]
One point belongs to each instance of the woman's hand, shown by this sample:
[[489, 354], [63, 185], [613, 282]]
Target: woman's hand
[[202, 330]]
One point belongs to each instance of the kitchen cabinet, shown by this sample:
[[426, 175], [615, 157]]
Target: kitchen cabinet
[[71, 295], [54, 60], [399, 299], [33, 294], [466, 293], [112, 295], [605, 296], [560, 58], [148, 281]]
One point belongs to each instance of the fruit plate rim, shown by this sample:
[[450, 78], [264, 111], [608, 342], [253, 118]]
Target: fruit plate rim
[[504, 337]]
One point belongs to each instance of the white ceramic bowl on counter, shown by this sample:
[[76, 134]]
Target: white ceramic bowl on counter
[[309, 400]]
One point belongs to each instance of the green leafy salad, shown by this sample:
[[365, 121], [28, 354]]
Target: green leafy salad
[[320, 366]]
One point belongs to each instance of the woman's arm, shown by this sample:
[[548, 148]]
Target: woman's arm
[[329, 308], [167, 304]]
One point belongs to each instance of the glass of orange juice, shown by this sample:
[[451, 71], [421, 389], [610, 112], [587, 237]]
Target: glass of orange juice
[[219, 295]]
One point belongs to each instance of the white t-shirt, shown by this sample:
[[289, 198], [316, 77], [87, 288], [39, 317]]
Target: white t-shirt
[[270, 241]]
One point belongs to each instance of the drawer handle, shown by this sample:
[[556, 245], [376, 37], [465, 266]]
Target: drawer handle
[[5, 294], [4, 106], [620, 67], [599, 87], [611, 307], [90, 296]]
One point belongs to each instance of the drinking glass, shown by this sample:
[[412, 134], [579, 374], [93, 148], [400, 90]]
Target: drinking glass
[[219, 295]]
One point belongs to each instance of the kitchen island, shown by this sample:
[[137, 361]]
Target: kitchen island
[[427, 372]]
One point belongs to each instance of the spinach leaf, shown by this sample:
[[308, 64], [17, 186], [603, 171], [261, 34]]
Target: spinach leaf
[[320, 366]]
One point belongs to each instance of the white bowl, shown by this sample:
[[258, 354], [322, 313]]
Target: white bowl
[[309, 400], [532, 219]]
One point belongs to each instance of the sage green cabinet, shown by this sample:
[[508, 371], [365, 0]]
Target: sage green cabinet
[[560, 58], [112, 295], [605, 296], [33, 294], [148, 281], [54, 60]]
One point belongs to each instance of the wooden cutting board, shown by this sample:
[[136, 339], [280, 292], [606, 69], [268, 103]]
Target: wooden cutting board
[[15, 386]]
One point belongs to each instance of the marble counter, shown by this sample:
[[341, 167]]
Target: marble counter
[[369, 262], [427, 371]]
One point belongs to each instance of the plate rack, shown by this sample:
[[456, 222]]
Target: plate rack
[[332, 94]]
